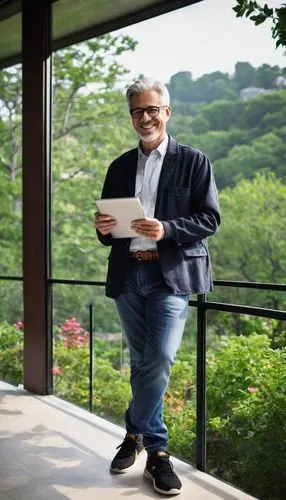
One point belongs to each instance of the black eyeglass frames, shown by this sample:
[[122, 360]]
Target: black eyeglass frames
[[150, 110]]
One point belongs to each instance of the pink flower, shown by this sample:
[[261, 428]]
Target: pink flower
[[73, 334], [71, 326], [19, 325], [252, 389], [57, 370], [69, 341]]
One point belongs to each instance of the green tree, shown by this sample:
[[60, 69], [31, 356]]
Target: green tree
[[265, 76], [91, 129], [244, 75], [216, 85], [10, 172], [181, 86], [266, 152], [86, 105], [251, 244], [222, 115], [217, 143], [222, 90], [271, 121], [254, 110], [200, 124], [207, 88]]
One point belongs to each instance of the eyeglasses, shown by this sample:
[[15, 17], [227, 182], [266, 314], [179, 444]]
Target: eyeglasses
[[152, 111]]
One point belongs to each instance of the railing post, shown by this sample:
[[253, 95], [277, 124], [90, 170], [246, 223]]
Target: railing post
[[91, 357], [201, 384]]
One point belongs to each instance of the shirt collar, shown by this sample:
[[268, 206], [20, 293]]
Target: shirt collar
[[162, 148]]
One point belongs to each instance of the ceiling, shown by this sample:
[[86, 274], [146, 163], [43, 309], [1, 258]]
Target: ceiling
[[78, 20]]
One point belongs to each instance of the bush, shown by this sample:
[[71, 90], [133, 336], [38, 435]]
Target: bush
[[246, 415], [71, 372], [11, 353]]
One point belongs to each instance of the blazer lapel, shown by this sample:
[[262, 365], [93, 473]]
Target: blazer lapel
[[168, 167], [131, 174]]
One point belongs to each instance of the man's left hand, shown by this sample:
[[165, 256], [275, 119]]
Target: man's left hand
[[150, 228]]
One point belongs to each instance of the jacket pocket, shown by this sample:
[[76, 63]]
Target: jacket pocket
[[194, 251], [178, 202]]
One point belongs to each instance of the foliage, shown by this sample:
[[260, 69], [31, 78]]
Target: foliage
[[262, 204], [258, 15], [11, 353], [111, 381], [265, 153], [186, 93], [246, 395], [255, 109], [246, 408], [251, 246], [239, 137], [86, 104], [218, 143], [244, 75], [11, 301], [10, 171]]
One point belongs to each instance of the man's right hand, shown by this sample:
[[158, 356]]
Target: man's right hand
[[104, 223]]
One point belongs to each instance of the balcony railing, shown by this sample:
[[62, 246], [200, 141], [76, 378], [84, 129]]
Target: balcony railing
[[203, 306]]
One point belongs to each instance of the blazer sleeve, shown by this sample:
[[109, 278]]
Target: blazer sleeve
[[107, 192], [204, 217]]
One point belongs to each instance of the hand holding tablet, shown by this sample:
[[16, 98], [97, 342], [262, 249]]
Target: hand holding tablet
[[124, 211]]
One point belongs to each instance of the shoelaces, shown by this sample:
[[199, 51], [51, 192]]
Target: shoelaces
[[164, 466], [127, 446]]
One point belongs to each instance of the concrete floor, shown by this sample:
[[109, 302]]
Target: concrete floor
[[52, 450]]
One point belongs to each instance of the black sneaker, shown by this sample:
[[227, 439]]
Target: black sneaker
[[125, 458], [160, 470]]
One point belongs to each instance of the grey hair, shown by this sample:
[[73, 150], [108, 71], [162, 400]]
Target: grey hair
[[148, 84]]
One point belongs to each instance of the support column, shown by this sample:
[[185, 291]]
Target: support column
[[36, 51]]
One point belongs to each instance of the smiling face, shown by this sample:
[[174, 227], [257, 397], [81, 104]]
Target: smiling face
[[151, 130]]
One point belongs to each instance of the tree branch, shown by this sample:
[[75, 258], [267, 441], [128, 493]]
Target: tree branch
[[69, 105], [66, 131]]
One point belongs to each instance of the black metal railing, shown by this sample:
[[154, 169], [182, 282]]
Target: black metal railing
[[11, 278], [203, 306]]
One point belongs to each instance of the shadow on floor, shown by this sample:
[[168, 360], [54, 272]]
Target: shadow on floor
[[43, 463]]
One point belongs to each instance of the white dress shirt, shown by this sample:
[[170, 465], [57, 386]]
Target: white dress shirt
[[146, 187]]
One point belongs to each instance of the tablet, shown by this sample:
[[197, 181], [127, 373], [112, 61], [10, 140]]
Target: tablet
[[124, 210]]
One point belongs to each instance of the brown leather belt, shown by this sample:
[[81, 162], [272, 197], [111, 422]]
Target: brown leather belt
[[144, 255]]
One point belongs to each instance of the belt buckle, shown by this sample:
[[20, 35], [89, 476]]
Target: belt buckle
[[138, 255]]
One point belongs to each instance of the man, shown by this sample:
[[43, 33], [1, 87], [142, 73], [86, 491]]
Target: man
[[151, 276]]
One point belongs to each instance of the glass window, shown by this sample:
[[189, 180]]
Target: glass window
[[11, 171], [11, 332], [227, 84], [11, 290], [71, 351], [90, 128]]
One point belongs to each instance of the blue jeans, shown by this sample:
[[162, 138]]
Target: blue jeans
[[153, 319]]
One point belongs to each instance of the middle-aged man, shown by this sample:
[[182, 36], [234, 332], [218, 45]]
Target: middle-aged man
[[151, 276]]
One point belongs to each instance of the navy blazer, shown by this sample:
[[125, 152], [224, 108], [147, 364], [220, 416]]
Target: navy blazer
[[186, 204]]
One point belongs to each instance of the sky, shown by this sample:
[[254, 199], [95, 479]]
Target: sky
[[200, 38]]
